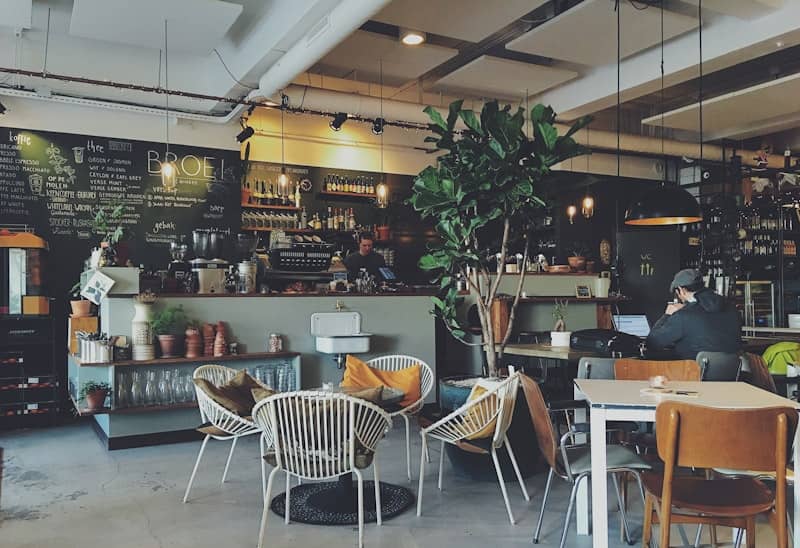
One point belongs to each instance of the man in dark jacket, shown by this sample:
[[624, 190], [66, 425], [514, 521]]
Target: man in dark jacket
[[701, 321]]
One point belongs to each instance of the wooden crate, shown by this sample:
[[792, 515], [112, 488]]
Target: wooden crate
[[89, 323]]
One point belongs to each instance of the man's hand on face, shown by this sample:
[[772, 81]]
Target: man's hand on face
[[672, 308], [685, 295]]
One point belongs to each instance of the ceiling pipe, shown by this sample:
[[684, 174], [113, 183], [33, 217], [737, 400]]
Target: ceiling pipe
[[334, 28], [370, 107]]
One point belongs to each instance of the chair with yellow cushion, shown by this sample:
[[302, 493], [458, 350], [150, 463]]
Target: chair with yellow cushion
[[479, 426], [411, 375]]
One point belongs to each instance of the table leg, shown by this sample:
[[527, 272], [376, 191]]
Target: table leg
[[796, 517], [597, 421], [582, 498]]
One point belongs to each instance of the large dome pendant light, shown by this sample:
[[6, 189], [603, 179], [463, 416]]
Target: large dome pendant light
[[667, 204], [169, 170]]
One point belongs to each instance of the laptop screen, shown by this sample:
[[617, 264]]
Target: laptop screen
[[633, 324]]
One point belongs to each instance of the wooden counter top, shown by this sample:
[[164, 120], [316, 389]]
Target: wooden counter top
[[337, 294]]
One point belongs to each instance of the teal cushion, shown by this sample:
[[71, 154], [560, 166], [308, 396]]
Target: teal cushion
[[580, 459]]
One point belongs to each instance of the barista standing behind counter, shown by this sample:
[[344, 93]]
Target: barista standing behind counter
[[365, 257]]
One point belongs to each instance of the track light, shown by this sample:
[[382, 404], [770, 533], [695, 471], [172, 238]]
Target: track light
[[245, 134], [2, 108], [377, 126], [412, 37], [338, 121]]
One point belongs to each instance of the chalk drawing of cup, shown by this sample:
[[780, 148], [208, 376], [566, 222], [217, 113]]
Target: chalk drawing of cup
[[35, 182], [78, 151]]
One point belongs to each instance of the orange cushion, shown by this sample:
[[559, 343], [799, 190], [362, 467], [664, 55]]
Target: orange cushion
[[473, 415], [359, 375]]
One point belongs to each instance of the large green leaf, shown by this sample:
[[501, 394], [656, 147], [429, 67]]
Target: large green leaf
[[435, 117], [549, 135], [471, 121]]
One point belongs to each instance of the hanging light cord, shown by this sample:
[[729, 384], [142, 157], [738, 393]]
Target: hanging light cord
[[380, 68], [700, 98], [283, 162], [663, 128], [618, 8], [166, 82]]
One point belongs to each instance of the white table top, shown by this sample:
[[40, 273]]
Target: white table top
[[626, 394]]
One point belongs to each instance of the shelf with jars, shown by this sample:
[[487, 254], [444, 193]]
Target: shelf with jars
[[360, 186], [274, 207]]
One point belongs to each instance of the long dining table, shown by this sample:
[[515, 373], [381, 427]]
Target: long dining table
[[612, 400]]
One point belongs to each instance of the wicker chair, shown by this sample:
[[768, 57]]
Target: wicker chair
[[226, 424], [496, 404], [315, 436], [394, 363]]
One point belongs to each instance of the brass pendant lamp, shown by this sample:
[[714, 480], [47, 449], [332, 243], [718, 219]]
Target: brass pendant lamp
[[667, 204]]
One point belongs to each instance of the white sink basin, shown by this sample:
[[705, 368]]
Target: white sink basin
[[347, 344]]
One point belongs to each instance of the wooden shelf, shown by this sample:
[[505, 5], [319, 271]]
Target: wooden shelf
[[283, 207], [573, 299], [168, 361], [286, 230], [347, 194]]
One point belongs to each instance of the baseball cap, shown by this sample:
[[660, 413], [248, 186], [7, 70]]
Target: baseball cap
[[686, 278]]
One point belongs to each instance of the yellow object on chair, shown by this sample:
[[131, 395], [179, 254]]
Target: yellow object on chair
[[359, 375], [473, 415]]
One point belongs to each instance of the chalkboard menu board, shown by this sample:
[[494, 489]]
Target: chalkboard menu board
[[56, 182], [650, 258]]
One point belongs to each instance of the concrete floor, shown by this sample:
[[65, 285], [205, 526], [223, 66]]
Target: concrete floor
[[62, 489]]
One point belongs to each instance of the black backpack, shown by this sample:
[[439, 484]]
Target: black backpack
[[606, 342]]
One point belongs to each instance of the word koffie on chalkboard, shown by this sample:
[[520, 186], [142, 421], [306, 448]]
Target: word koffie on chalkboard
[[56, 182]]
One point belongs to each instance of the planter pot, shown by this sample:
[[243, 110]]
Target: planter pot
[[578, 264], [140, 324], [193, 343], [453, 392], [560, 338], [170, 345], [81, 309], [96, 399]]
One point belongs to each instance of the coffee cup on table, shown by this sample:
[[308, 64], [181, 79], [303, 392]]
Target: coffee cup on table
[[659, 381]]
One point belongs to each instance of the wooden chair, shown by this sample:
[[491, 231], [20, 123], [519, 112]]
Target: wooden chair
[[317, 436], [743, 439], [426, 381], [224, 425], [475, 416], [628, 369], [571, 461], [759, 372]]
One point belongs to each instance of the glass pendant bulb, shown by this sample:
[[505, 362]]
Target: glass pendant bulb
[[571, 211], [169, 176], [382, 194], [587, 207]]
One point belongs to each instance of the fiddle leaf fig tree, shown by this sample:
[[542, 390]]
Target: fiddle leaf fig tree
[[485, 179]]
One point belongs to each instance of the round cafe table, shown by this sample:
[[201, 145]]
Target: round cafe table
[[336, 502]]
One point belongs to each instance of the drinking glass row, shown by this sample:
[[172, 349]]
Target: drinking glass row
[[139, 387], [278, 376]]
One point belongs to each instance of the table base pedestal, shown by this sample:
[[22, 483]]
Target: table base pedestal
[[328, 504]]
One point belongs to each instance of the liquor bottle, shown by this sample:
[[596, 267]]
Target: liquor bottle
[[297, 195], [351, 222], [361, 186], [326, 184], [329, 220], [303, 218], [340, 219], [270, 196], [262, 198]]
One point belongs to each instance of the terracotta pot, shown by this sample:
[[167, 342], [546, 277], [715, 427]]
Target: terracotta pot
[[383, 232], [193, 343], [170, 345], [96, 399], [81, 308], [578, 264]]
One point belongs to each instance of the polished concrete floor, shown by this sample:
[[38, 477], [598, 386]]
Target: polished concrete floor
[[62, 489]]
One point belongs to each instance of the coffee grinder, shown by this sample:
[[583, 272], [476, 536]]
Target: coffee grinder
[[210, 272], [179, 269]]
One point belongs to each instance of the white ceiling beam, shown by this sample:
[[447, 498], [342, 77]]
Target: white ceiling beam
[[727, 41]]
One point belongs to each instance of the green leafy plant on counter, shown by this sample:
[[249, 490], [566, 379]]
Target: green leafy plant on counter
[[486, 178], [108, 223], [75, 292], [90, 387], [560, 315], [170, 320], [579, 249]]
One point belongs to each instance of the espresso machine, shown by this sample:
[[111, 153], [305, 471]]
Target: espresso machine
[[208, 267]]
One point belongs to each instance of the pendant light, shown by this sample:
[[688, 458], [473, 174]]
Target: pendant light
[[667, 204], [587, 204], [169, 171], [571, 212], [382, 190], [283, 179]]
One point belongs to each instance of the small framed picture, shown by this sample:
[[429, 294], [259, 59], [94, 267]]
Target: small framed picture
[[583, 292], [98, 286]]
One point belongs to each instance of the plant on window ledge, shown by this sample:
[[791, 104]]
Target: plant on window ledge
[[487, 177]]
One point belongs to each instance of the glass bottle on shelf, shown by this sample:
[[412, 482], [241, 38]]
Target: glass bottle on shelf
[[351, 221], [151, 389]]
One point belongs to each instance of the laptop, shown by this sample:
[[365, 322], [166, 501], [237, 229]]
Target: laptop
[[632, 324]]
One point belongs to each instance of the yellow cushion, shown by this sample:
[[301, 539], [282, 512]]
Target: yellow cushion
[[359, 375], [473, 415], [262, 393], [234, 395]]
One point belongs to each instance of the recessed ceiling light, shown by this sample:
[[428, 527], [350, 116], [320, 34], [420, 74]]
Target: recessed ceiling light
[[779, 44], [412, 37]]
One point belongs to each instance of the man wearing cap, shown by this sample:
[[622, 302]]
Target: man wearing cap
[[701, 321]]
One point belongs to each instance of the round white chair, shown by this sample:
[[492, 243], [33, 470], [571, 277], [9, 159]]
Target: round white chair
[[396, 362]]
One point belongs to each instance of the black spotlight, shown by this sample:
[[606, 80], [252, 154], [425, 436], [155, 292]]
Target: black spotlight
[[377, 126], [2, 108], [338, 121], [245, 134]]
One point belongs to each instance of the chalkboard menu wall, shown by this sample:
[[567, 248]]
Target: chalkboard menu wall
[[56, 182]]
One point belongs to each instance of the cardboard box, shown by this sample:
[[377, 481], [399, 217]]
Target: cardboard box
[[89, 324], [35, 305]]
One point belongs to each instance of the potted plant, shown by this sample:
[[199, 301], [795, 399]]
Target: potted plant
[[95, 394], [559, 336], [169, 324], [577, 258], [108, 223], [81, 308], [485, 178]]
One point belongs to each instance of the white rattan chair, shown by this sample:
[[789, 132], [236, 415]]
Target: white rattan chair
[[314, 435], [472, 417], [394, 363], [230, 425]]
